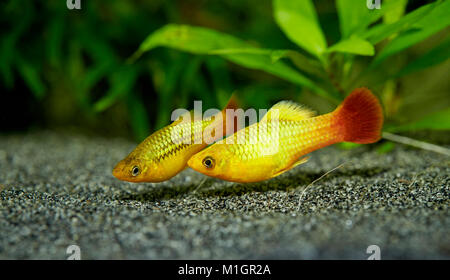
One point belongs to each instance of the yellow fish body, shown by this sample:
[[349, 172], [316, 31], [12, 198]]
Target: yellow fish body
[[287, 132], [159, 157]]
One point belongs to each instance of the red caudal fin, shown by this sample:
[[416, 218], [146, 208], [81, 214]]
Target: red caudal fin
[[361, 117]]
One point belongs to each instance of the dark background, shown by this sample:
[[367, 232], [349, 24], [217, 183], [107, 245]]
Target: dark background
[[57, 63]]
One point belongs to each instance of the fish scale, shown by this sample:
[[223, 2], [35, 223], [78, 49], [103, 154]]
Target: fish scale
[[295, 138], [160, 157], [162, 146], [292, 132]]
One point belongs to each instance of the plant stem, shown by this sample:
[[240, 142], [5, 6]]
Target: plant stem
[[416, 143]]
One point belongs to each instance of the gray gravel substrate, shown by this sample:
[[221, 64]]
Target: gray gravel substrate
[[57, 190]]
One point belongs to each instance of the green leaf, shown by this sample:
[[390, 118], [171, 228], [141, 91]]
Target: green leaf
[[121, 84], [386, 147], [200, 40], [395, 12], [9, 40], [98, 48], [355, 16], [31, 77], [298, 20], [138, 117], [353, 45], [173, 74], [301, 61], [383, 31], [54, 42], [436, 121], [433, 22], [197, 40], [95, 73], [435, 56]]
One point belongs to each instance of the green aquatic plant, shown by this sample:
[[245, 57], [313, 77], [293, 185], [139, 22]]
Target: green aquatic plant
[[77, 64], [330, 71]]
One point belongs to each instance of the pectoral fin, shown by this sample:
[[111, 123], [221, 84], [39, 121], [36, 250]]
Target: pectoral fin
[[296, 163]]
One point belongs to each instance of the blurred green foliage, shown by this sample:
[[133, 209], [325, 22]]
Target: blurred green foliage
[[82, 66]]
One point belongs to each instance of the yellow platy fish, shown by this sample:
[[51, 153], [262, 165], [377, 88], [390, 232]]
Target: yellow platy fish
[[285, 134], [165, 153]]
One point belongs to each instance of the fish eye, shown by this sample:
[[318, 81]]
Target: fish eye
[[208, 162], [135, 171]]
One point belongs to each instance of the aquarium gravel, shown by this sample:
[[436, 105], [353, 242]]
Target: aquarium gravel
[[56, 190]]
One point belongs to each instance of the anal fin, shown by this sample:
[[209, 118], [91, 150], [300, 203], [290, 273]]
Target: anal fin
[[296, 163]]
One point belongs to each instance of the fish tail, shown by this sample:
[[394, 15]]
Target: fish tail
[[360, 117]]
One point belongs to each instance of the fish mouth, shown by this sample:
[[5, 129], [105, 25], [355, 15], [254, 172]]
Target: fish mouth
[[119, 174], [122, 173], [118, 171], [190, 163], [193, 163]]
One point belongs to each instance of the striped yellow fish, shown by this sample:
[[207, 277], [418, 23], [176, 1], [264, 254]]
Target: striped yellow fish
[[291, 133], [160, 157]]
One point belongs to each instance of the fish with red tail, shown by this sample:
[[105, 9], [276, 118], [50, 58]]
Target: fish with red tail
[[285, 135]]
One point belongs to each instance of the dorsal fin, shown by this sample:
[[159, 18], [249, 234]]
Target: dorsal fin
[[233, 102], [289, 111]]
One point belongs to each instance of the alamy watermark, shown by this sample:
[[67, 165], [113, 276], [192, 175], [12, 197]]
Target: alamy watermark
[[73, 4], [373, 4], [74, 252], [374, 251], [190, 129]]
